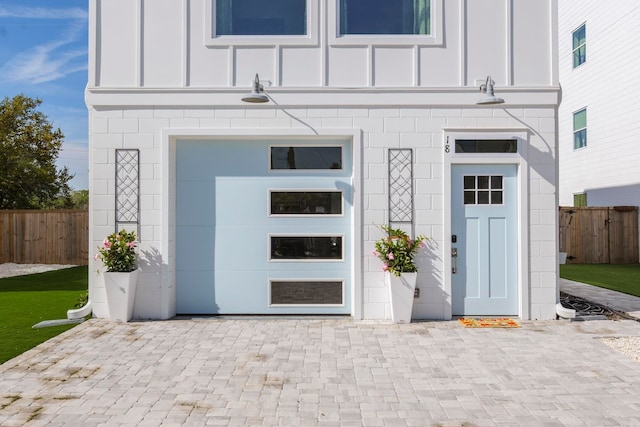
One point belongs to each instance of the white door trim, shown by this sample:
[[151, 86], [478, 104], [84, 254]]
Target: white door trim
[[169, 138], [520, 160]]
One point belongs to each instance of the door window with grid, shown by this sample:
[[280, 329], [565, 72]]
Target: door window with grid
[[483, 190]]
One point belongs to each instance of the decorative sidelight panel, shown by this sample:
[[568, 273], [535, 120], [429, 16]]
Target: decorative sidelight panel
[[400, 186], [127, 189]]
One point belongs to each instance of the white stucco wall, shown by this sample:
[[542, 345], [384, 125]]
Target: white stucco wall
[[608, 168]]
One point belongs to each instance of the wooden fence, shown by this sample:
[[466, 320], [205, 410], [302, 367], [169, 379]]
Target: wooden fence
[[599, 235], [44, 236]]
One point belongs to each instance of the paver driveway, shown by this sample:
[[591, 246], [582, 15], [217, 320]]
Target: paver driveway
[[328, 372]]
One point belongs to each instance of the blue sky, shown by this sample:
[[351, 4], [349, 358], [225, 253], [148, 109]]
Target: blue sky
[[43, 54]]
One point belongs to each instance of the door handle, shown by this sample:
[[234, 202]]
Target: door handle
[[454, 255]]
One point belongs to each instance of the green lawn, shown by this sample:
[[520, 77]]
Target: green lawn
[[622, 278], [27, 300]]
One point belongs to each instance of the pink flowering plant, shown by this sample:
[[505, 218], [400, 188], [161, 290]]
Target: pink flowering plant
[[397, 250], [118, 252]]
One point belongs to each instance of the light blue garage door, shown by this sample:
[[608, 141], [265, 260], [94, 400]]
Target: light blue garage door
[[263, 227]]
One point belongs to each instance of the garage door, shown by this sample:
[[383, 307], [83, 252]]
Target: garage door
[[263, 227]]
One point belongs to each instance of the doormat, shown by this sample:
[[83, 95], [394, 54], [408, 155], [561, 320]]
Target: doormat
[[504, 322]]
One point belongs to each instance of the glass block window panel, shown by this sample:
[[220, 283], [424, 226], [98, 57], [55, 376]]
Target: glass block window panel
[[261, 17], [385, 17], [580, 129], [306, 247], [486, 145], [483, 190], [306, 157], [127, 188], [307, 293], [579, 37], [306, 203]]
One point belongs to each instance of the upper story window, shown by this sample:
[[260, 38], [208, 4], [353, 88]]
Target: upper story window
[[386, 22], [580, 129], [385, 17], [260, 17], [580, 45], [262, 22]]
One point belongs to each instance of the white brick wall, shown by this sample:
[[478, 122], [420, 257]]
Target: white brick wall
[[383, 128]]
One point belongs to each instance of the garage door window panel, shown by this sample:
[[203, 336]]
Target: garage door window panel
[[306, 248], [303, 203], [316, 158], [306, 293]]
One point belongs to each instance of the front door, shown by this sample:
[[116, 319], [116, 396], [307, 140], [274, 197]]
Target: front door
[[484, 237]]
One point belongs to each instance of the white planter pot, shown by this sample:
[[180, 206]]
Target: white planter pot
[[121, 293], [563, 257], [401, 290]]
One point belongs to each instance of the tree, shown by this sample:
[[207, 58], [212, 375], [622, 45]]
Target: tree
[[29, 147], [80, 199]]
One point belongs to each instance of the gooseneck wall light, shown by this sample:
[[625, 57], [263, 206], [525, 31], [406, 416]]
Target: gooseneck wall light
[[489, 97], [257, 94]]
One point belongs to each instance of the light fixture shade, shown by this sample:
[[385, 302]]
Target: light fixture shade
[[489, 97], [257, 95], [489, 100]]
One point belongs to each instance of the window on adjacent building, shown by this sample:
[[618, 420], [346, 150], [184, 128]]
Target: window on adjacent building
[[385, 17], [580, 129], [580, 200], [261, 17], [580, 45]]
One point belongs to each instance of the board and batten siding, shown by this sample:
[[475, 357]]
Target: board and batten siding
[[161, 44]]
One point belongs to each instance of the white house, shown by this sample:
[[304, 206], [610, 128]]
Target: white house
[[598, 118], [371, 117]]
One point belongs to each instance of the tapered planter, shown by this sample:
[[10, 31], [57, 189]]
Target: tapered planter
[[121, 293], [401, 291]]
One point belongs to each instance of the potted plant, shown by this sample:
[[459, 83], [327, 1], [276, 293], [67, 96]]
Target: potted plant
[[397, 251], [118, 254]]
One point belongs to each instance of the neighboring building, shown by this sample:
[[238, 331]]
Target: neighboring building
[[273, 208], [599, 62]]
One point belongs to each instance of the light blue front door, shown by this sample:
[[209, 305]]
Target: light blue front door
[[263, 227], [484, 228]]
